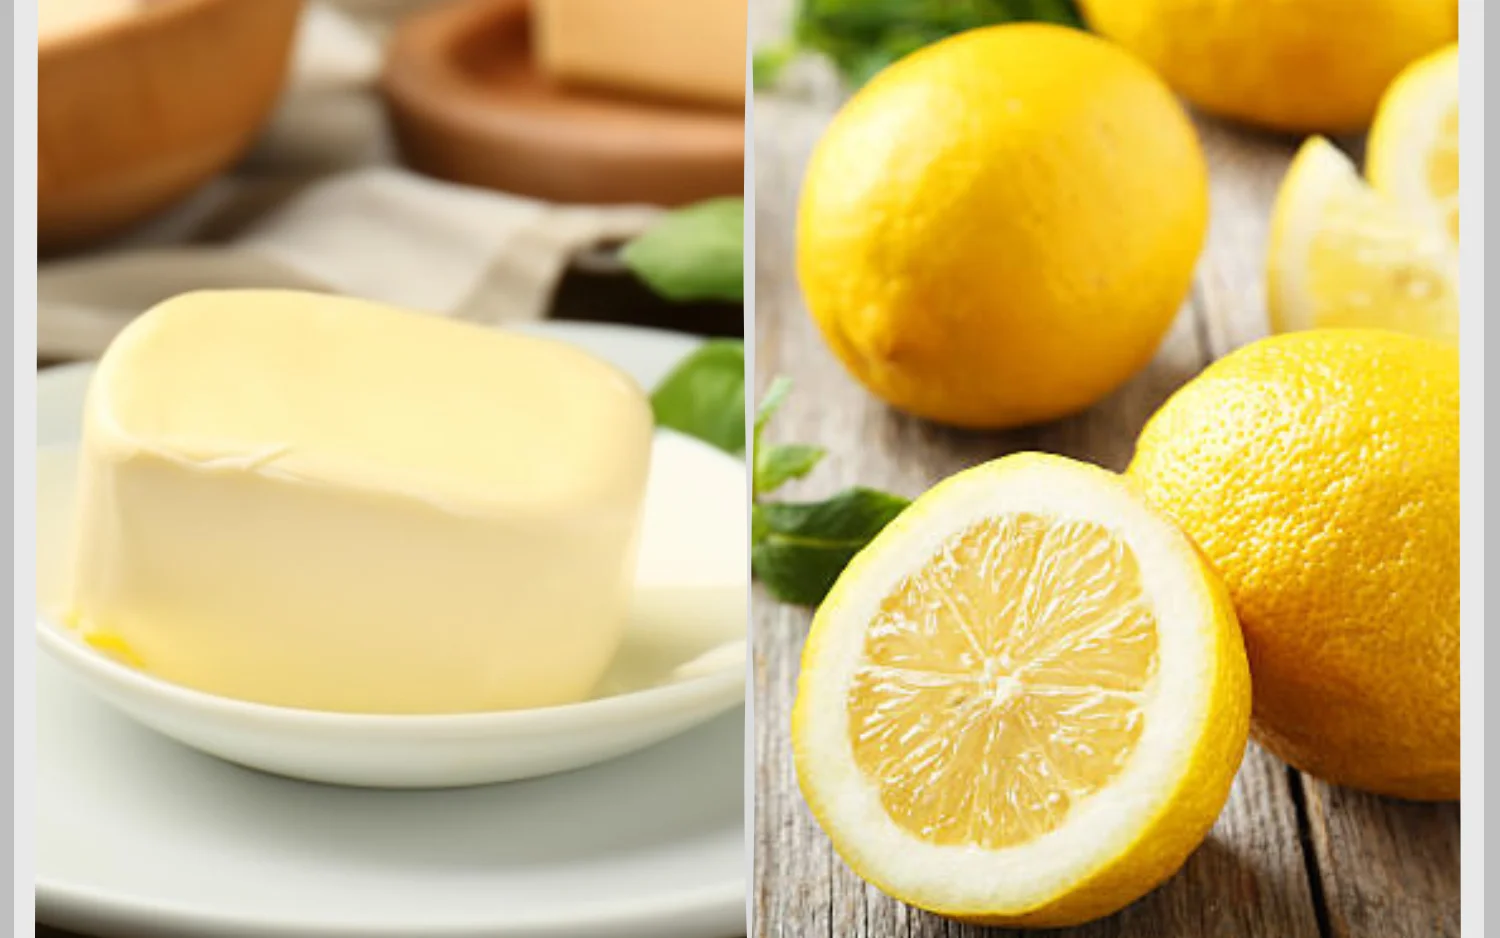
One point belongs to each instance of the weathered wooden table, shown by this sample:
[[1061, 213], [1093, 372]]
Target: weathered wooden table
[[1291, 857]]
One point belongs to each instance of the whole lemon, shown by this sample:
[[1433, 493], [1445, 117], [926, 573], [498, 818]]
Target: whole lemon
[[1318, 471], [1290, 65], [999, 228]]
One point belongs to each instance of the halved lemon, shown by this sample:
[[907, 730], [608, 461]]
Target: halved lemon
[[1343, 255], [1412, 151], [1025, 701]]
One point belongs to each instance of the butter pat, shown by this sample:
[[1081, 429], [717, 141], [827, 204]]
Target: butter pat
[[692, 50], [56, 18], [325, 503]]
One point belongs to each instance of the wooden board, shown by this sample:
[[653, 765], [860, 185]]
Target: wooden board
[[1290, 857], [468, 103]]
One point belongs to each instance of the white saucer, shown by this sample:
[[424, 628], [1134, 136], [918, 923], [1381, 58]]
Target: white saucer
[[138, 836]]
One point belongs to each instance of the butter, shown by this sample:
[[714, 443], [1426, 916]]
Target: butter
[[692, 50], [56, 18], [325, 503]]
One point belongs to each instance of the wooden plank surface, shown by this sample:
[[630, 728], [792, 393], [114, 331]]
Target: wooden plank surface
[[1290, 857]]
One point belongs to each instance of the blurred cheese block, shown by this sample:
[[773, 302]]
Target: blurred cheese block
[[470, 102], [58, 17], [325, 503], [692, 50]]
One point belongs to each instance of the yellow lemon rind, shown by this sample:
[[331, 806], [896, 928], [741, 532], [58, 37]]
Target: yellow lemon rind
[[1319, 472], [958, 226]]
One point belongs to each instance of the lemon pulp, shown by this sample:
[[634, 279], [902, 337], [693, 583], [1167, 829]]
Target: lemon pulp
[[1442, 170], [1002, 682], [1344, 255], [1369, 261]]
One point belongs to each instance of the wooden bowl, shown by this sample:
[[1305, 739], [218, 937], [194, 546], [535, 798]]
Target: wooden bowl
[[468, 104], [134, 113]]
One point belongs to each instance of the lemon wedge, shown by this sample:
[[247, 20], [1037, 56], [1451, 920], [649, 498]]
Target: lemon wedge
[[1343, 255], [1412, 152], [1025, 701]]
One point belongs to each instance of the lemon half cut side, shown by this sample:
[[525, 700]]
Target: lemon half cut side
[[1343, 255], [1412, 151], [1025, 702]]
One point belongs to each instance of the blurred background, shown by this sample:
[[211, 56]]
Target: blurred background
[[486, 159]]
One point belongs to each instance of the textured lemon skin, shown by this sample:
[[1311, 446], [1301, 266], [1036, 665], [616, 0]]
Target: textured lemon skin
[[998, 229], [1164, 841], [1290, 65], [1319, 472]]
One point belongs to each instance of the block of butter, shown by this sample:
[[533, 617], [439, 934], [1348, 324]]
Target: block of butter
[[56, 18], [692, 50], [319, 502]]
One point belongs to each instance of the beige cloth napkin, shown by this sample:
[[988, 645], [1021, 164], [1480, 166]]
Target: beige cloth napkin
[[320, 204]]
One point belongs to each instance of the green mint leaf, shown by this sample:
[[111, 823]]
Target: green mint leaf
[[770, 62], [861, 68], [704, 396], [693, 253], [800, 548], [776, 394], [775, 466], [1062, 12], [860, 37], [758, 530]]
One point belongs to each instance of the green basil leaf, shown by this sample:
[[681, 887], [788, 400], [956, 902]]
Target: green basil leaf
[[800, 548], [704, 396], [694, 253], [777, 465]]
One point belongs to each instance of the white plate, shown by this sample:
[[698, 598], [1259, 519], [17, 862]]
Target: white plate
[[137, 835]]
